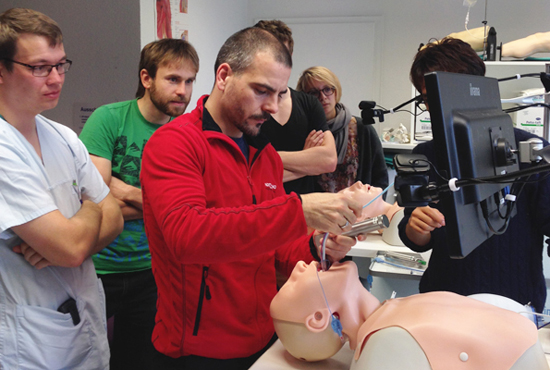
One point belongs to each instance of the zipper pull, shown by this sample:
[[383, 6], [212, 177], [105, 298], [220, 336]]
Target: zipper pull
[[252, 189]]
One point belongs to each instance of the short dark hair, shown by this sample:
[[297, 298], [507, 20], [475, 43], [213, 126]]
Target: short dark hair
[[447, 55], [164, 52], [280, 30], [240, 49], [17, 21]]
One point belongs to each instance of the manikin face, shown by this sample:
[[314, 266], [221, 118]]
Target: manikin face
[[171, 89], [364, 193], [302, 294], [251, 96], [328, 102], [30, 95], [300, 313]]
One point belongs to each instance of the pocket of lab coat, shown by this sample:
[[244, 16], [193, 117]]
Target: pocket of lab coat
[[47, 339]]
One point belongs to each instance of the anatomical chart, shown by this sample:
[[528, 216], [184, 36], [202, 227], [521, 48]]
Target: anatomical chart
[[172, 19]]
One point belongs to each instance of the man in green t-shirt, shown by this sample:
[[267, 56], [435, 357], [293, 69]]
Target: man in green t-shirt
[[115, 135]]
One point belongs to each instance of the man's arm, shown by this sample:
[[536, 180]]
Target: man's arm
[[112, 222], [312, 161], [128, 197], [67, 242]]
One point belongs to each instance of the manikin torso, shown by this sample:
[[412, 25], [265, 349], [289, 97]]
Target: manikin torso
[[404, 333], [429, 331]]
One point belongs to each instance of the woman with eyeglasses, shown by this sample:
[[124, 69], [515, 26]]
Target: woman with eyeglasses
[[360, 154]]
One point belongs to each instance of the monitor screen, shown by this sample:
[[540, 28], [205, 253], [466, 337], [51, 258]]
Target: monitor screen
[[467, 122]]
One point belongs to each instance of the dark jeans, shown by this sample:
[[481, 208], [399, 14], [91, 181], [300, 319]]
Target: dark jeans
[[163, 362], [132, 298]]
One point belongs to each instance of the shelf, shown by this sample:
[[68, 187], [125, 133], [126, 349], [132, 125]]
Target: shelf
[[516, 63], [399, 146], [507, 89]]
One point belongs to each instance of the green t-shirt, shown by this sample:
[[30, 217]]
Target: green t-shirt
[[118, 132]]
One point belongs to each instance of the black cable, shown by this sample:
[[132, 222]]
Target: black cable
[[522, 107], [520, 76], [543, 177], [431, 166], [485, 211], [511, 204], [509, 177]]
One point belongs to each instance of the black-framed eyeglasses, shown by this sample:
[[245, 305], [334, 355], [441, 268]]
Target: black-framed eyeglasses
[[327, 91], [44, 70]]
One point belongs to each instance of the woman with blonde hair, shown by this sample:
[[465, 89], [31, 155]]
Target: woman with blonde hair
[[360, 154]]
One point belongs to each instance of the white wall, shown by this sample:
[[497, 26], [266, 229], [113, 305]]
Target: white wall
[[406, 25], [104, 38], [101, 37], [211, 23]]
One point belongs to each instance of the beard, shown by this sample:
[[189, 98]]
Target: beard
[[163, 104], [252, 130]]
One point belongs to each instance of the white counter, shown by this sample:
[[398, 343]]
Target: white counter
[[374, 243]]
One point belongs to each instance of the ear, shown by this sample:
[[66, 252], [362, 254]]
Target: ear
[[146, 79], [318, 321], [223, 75], [2, 72]]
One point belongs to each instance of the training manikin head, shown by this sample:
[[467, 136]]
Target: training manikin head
[[302, 319], [364, 194]]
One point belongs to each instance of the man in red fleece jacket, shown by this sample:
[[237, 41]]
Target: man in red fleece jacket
[[217, 217]]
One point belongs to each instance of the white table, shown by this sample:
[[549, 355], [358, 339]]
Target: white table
[[277, 358], [374, 244]]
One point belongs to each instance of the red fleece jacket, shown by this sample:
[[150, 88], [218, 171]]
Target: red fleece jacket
[[217, 228]]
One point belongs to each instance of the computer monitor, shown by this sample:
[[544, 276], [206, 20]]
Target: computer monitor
[[467, 123]]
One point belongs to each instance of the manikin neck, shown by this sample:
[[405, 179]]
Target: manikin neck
[[354, 314], [392, 210]]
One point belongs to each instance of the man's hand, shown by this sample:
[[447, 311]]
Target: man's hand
[[32, 256], [126, 193], [336, 246], [329, 212], [422, 222], [315, 138], [128, 198]]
